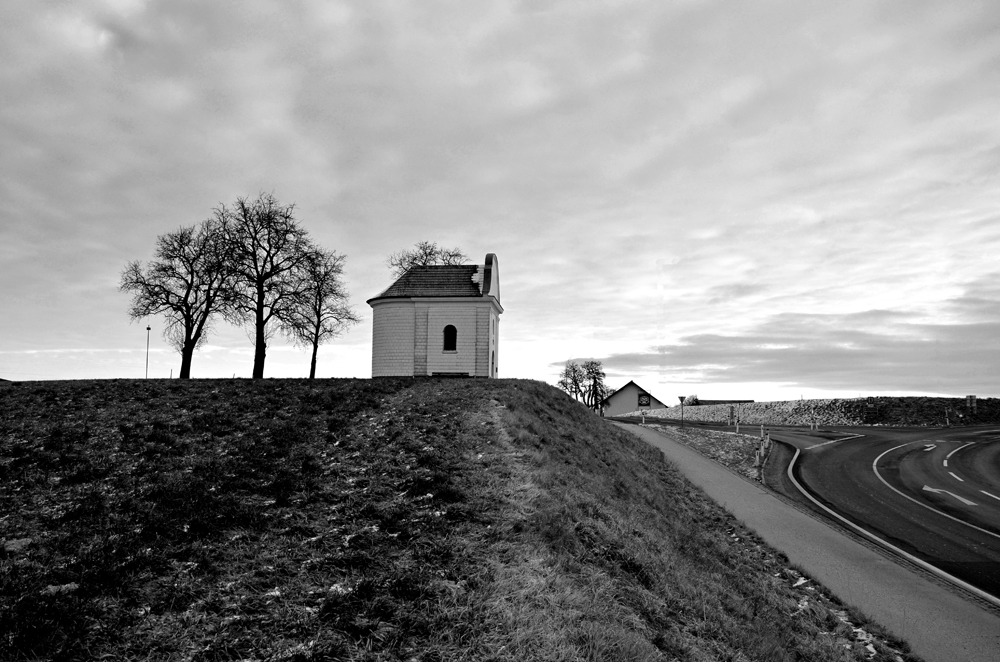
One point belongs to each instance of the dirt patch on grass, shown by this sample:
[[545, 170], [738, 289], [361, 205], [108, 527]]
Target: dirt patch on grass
[[374, 520]]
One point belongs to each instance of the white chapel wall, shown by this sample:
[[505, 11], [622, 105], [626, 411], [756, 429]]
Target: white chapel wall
[[462, 316], [392, 339]]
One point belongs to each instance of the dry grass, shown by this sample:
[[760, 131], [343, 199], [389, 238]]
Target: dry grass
[[373, 520]]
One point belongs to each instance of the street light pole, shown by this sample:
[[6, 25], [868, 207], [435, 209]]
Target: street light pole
[[147, 351]]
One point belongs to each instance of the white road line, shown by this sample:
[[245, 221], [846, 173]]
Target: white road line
[[958, 449], [990, 495], [919, 503], [946, 463], [992, 599], [833, 441], [955, 477]]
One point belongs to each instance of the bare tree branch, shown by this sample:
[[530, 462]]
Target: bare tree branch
[[184, 283], [423, 254], [321, 311], [266, 248]]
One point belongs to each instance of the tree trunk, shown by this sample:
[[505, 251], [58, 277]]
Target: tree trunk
[[187, 352], [259, 354], [260, 342], [312, 366]]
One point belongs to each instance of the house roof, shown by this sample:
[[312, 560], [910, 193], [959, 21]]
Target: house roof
[[436, 281], [625, 387]]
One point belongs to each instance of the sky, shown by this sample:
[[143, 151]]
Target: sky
[[758, 200]]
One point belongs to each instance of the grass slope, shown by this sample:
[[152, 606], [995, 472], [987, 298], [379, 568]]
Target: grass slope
[[417, 520]]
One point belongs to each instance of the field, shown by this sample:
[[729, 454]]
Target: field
[[895, 411], [422, 520]]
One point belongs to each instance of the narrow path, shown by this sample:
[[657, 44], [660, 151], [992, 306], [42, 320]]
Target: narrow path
[[939, 625]]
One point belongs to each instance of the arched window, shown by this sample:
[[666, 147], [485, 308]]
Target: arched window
[[450, 338]]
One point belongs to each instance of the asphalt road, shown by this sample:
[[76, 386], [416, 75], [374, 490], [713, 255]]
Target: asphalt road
[[939, 624], [934, 493]]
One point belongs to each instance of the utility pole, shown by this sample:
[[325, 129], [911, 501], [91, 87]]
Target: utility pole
[[147, 351]]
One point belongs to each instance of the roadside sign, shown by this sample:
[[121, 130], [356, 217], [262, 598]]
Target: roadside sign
[[643, 400], [871, 402]]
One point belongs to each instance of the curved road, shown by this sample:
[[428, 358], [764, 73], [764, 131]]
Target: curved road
[[940, 624], [933, 493]]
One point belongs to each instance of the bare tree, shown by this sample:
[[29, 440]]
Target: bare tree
[[267, 249], [184, 283], [571, 379], [423, 254], [321, 311], [594, 389]]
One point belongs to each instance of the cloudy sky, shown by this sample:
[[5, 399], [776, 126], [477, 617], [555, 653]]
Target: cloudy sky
[[763, 200]]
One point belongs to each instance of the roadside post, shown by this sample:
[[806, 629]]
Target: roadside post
[[681, 398]]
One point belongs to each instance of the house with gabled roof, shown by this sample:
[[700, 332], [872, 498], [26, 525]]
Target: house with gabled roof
[[629, 398], [439, 321]]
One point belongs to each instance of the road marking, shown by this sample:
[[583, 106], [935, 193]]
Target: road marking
[[929, 447], [833, 441], [946, 463], [992, 599], [990, 495], [963, 500], [920, 503], [958, 449], [955, 477]]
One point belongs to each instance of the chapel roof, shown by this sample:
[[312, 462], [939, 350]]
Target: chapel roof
[[436, 281], [465, 280]]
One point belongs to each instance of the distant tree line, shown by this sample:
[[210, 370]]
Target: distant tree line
[[251, 264], [585, 382]]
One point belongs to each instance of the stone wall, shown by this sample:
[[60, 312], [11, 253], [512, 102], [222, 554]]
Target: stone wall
[[921, 411]]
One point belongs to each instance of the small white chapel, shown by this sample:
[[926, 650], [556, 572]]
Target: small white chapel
[[438, 321]]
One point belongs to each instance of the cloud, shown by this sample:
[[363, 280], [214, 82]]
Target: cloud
[[874, 350], [676, 176]]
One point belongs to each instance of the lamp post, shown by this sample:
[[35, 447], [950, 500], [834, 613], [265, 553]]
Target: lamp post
[[147, 351]]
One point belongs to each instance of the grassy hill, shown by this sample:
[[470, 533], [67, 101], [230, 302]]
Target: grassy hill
[[419, 520]]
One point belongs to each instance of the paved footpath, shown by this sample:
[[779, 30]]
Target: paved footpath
[[939, 625]]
